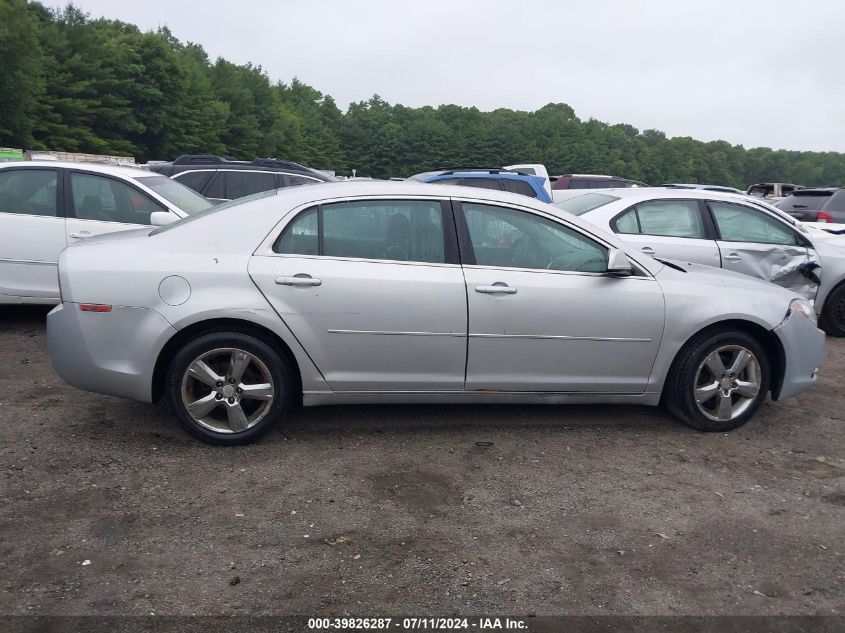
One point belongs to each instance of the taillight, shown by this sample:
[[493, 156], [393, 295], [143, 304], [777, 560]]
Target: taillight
[[821, 216], [94, 307]]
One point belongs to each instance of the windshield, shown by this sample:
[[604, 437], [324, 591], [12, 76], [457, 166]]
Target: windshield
[[589, 201], [213, 208], [176, 193]]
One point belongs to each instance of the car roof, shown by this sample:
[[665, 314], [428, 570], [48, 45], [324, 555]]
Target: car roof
[[632, 195], [406, 188], [109, 170]]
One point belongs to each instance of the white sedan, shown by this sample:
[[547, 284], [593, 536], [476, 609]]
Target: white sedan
[[734, 232], [45, 206]]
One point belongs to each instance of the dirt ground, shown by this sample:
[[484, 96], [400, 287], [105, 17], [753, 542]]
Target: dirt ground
[[109, 508]]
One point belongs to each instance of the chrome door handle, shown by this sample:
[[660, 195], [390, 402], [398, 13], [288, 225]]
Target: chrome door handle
[[497, 288], [648, 250], [298, 280], [732, 257], [79, 236]]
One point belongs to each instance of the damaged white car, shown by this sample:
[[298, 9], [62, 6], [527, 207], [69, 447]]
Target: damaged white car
[[729, 231]]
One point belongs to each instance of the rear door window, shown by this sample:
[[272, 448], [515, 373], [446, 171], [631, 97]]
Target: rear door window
[[518, 186], [483, 183], [398, 230], [29, 191], [216, 188], [668, 218], [246, 183]]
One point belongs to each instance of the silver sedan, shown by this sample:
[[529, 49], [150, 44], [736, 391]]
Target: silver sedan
[[385, 292]]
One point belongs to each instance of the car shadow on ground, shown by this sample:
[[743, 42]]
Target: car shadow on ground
[[139, 423]]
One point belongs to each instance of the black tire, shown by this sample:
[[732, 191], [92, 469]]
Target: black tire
[[679, 390], [833, 313], [269, 361]]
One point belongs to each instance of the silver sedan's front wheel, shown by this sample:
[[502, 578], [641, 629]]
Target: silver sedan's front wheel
[[727, 382], [718, 380], [229, 387]]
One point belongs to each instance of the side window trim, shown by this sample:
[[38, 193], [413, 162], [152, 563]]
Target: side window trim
[[71, 206], [451, 251]]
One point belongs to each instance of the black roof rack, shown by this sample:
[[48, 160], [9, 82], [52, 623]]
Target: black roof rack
[[490, 170], [213, 159]]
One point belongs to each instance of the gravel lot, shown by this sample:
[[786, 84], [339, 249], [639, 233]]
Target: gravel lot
[[109, 508]]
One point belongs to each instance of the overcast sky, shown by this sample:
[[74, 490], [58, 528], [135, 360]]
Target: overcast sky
[[754, 72]]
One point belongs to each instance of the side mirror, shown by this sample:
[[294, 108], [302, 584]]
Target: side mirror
[[618, 264], [162, 218]]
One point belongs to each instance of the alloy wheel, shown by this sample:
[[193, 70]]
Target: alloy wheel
[[227, 390], [727, 383]]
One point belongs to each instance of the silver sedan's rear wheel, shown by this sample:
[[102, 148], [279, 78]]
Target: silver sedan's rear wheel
[[227, 390], [718, 380], [229, 387]]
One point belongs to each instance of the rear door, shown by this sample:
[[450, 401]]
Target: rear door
[[99, 203], [32, 232], [758, 244], [672, 229], [374, 292]]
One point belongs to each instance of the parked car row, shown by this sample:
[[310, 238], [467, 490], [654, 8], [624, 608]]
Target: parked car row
[[374, 291], [219, 178]]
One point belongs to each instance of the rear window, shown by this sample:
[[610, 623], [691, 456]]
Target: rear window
[[812, 201], [588, 202]]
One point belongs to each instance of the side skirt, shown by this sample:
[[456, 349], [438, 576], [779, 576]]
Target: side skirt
[[318, 398]]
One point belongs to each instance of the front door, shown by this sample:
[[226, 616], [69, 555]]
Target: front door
[[32, 235], [544, 316], [104, 204], [753, 243], [373, 291]]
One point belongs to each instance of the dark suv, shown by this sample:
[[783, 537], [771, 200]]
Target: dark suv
[[221, 178], [592, 181], [816, 205]]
